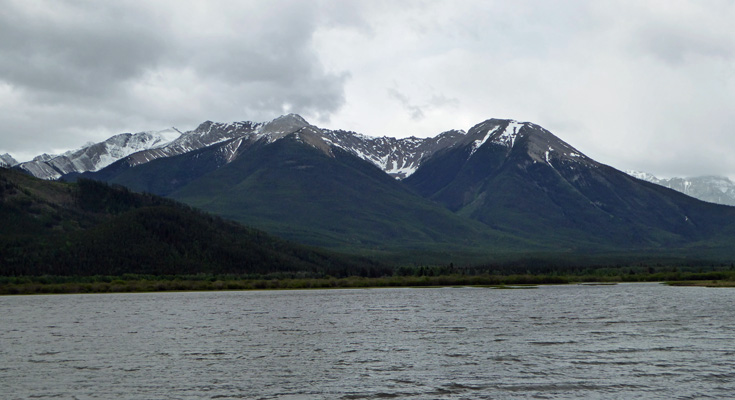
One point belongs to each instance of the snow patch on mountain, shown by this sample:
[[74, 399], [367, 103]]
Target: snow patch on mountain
[[399, 158], [510, 133], [477, 143], [229, 151]]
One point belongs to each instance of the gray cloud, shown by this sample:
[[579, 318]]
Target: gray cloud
[[413, 110], [685, 31], [417, 111]]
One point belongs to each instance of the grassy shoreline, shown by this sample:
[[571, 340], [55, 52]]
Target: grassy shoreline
[[142, 284]]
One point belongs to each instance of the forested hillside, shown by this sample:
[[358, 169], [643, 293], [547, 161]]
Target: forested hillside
[[91, 228]]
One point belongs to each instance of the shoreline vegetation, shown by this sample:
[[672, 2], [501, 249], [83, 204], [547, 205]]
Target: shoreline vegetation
[[130, 283]]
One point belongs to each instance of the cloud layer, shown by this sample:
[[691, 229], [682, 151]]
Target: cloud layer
[[646, 85]]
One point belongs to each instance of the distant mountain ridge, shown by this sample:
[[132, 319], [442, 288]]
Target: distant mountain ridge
[[713, 189], [95, 156]]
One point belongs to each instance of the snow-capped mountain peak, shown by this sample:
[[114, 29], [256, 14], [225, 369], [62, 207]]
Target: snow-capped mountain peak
[[95, 156], [283, 126], [540, 144], [6, 160]]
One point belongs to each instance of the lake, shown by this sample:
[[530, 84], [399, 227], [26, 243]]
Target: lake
[[553, 342]]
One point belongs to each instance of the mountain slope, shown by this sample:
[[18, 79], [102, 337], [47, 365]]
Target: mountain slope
[[521, 178], [299, 192], [713, 189], [89, 228]]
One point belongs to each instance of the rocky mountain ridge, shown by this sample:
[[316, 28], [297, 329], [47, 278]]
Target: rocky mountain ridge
[[398, 157]]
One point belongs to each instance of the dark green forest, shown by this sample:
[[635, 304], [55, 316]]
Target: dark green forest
[[92, 228]]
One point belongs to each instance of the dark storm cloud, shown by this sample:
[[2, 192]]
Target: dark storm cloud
[[70, 68], [63, 51]]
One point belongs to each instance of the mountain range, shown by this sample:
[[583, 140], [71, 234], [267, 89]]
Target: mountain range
[[713, 189], [503, 189], [397, 157]]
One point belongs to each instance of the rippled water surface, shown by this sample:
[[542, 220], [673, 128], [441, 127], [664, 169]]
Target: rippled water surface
[[624, 341]]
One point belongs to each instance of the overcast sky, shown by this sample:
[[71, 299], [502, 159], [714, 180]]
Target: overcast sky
[[646, 85]]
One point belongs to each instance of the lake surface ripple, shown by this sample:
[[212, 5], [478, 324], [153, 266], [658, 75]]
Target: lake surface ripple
[[555, 342]]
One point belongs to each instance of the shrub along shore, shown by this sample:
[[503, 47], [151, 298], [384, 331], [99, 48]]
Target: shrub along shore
[[205, 282]]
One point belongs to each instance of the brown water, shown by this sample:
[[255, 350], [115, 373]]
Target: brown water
[[554, 342]]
